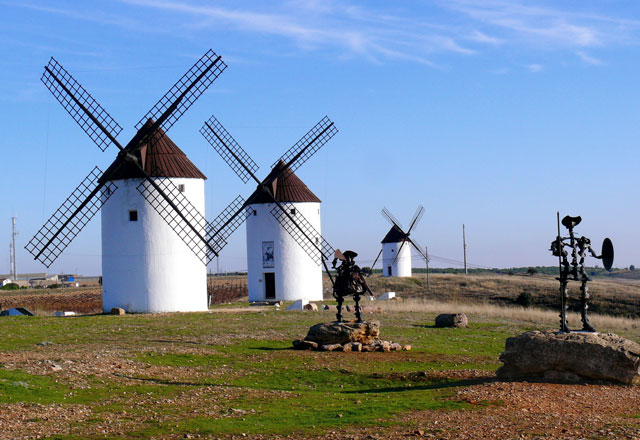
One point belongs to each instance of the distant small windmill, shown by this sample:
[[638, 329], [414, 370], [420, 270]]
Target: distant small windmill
[[396, 257], [156, 241], [283, 220]]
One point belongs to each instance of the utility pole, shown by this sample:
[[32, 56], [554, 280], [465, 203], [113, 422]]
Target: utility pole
[[12, 247], [426, 253], [464, 249]]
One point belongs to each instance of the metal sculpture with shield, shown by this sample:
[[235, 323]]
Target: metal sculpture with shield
[[203, 238], [574, 269]]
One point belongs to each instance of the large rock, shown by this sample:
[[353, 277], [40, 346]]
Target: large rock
[[452, 320], [571, 356], [328, 333]]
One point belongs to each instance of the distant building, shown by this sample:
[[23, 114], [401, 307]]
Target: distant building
[[394, 243], [25, 276], [45, 281]]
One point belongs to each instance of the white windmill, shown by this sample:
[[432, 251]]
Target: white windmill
[[396, 257], [283, 218], [156, 240], [177, 278]]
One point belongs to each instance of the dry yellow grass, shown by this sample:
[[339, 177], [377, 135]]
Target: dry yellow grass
[[611, 296], [506, 313]]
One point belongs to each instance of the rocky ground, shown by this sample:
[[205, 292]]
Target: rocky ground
[[500, 410], [523, 410], [232, 373]]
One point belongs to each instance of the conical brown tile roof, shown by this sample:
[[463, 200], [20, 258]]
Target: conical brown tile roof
[[159, 156], [395, 235], [285, 185]]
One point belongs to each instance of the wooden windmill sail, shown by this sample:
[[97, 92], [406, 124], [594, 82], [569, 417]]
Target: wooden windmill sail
[[281, 195], [135, 160]]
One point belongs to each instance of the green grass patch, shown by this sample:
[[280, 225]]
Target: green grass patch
[[258, 385], [19, 386], [317, 411]]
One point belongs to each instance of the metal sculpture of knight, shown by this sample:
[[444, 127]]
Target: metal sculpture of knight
[[574, 269], [349, 281]]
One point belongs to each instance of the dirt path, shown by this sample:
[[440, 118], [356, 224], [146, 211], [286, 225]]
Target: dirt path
[[523, 410]]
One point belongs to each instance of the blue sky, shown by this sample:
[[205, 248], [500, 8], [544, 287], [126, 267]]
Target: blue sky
[[490, 113]]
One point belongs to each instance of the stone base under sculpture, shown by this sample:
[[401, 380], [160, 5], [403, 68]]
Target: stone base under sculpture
[[575, 356], [346, 336]]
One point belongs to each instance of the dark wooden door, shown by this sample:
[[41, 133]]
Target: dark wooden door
[[270, 285]]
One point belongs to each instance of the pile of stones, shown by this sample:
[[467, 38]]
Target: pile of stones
[[348, 337]]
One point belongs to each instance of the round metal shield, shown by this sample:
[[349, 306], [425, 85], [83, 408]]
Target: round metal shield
[[607, 254]]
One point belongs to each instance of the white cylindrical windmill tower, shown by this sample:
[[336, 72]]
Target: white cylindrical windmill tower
[[279, 269], [146, 267], [394, 265]]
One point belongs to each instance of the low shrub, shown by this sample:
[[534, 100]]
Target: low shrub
[[525, 299], [10, 286]]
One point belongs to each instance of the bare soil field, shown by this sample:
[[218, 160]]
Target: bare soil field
[[612, 296], [231, 373], [88, 300], [46, 301]]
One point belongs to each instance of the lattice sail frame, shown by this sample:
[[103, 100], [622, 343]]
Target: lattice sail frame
[[66, 222], [215, 232], [322, 250], [394, 221], [418, 247], [225, 224], [227, 147], [204, 71], [62, 227], [171, 217], [308, 144], [416, 218], [72, 96]]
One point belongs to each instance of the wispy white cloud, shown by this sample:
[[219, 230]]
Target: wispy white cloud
[[78, 14], [535, 68], [481, 37], [427, 34], [588, 59], [356, 30], [551, 27]]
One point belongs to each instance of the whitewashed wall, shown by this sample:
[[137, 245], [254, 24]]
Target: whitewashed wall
[[297, 276], [146, 267], [402, 266]]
